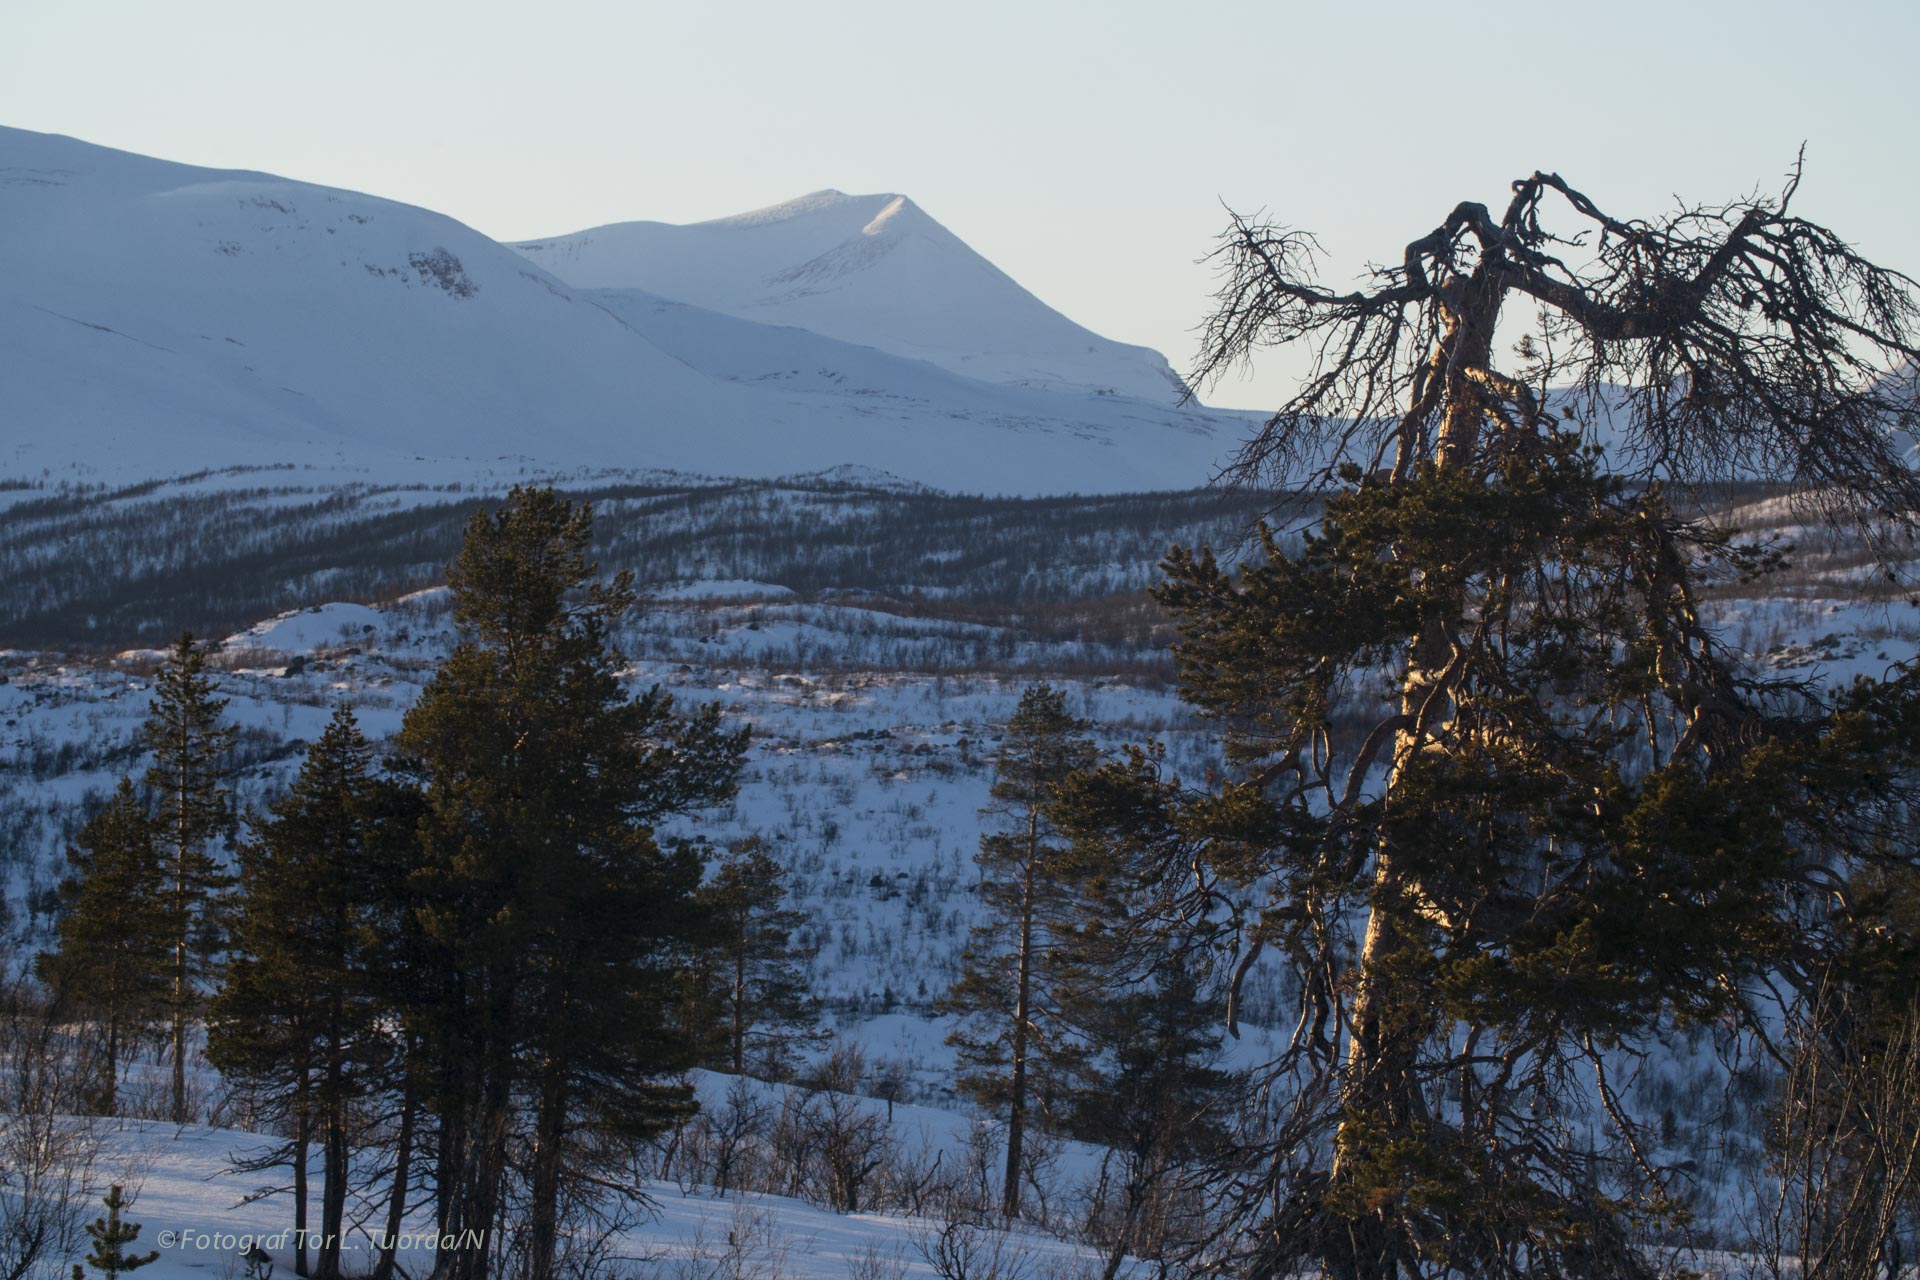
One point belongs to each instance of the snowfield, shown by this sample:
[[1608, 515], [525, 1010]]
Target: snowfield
[[201, 1213], [157, 318], [868, 781]]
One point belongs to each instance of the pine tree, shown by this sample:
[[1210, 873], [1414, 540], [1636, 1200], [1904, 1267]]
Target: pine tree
[[110, 1238], [1146, 1085], [190, 745], [404, 984], [1142, 1076], [112, 961], [299, 1014], [1004, 988], [561, 930], [1497, 789], [757, 983]]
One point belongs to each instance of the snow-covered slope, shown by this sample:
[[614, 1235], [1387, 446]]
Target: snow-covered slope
[[875, 270], [867, 381], [160, 319], [868, 784], [157, 316]]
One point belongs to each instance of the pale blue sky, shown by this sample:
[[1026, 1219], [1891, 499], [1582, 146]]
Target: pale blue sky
[[1085, 148]]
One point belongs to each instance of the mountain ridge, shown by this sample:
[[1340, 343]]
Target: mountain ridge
[[163, 319], [876, 270]]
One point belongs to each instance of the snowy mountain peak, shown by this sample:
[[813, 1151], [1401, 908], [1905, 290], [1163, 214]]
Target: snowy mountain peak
[[876, 270], [835, 212], [787, 210], [158, 318], [899, 209]]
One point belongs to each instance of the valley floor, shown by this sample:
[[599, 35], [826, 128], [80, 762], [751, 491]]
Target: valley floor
[[868, 770]]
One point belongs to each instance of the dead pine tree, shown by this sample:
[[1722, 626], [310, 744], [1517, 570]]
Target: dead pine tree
[[1574, 816]]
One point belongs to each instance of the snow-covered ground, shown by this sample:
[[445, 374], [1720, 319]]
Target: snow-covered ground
[[868, 781], [873, 738], [197, 1208], [868, 784], [870, 761]]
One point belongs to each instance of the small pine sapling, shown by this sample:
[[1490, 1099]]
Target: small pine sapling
[[110, 1238]]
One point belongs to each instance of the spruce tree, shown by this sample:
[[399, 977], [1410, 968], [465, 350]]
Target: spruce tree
[[112, 960], [1010, 1026], [111, 1237], [299, 1015], [193, 809], [757, 981], [561, 929]]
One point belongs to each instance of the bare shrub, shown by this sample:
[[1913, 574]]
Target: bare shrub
[[726, 1147], [847, 1140], [962, 1250], [1844, 1149], [754, 1248], [875, 1263], [49, 1157]]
